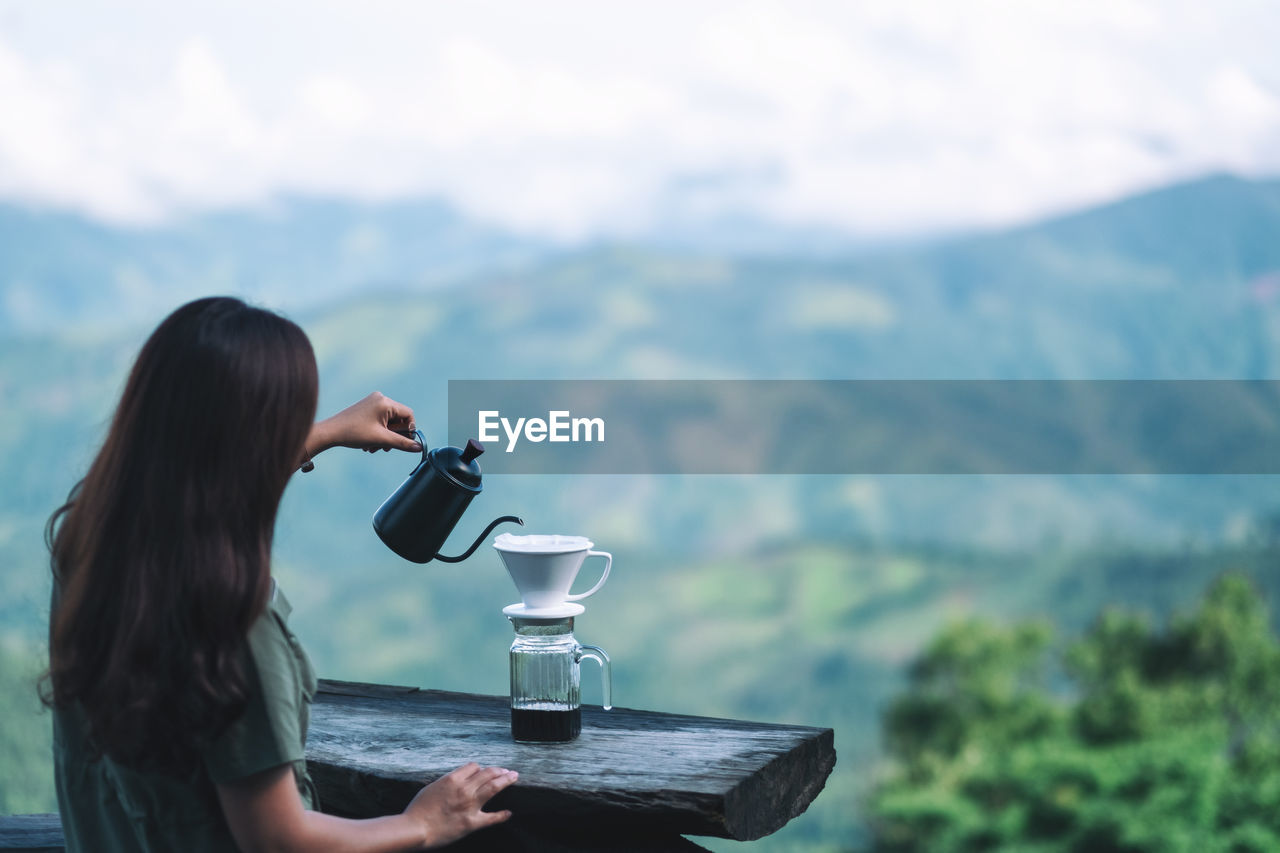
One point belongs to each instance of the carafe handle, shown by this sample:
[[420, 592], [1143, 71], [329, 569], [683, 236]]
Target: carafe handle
[[599, 655], [608, 563]]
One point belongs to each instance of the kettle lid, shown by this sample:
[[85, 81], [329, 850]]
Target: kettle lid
[[459, 465]]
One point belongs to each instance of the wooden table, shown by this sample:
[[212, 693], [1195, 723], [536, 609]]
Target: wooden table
[[633, 779]]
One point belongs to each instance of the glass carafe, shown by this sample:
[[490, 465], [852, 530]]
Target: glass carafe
[[546, 680]]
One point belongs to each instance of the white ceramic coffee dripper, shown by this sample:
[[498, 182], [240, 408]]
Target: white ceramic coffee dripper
[[544, 567]]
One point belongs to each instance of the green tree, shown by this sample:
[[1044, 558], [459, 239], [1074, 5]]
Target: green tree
[[1168, 742]]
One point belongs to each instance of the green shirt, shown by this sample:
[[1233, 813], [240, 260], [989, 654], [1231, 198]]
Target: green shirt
[[108, 807]]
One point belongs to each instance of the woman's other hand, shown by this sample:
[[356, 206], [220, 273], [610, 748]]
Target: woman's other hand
[[374, 423], [449, 807]]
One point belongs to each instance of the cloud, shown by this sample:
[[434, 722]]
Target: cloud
[[574, 119]]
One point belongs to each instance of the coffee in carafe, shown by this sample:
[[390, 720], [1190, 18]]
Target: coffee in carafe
[[546, 678]]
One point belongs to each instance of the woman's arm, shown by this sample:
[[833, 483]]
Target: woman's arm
[[265, 813], [371, 424]]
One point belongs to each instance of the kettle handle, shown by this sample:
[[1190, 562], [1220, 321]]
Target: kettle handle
[[479, 539], [422, 440]]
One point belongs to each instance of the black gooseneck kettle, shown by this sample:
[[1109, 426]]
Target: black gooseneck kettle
[[418, 517]]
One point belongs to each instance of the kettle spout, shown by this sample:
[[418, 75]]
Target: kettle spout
[[480, 538]]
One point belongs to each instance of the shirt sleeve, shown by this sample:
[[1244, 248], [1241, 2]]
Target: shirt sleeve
[[269, 732]]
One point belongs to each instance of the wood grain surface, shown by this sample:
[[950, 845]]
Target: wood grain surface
[[371, 747], [31, 833]]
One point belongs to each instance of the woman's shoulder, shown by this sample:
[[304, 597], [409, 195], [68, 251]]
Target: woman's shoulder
[[274, 648], [272, 728]]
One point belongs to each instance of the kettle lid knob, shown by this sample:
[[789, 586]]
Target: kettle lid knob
[[459, 465]]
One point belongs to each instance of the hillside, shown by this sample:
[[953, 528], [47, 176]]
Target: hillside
[[787, 598], [60, 271], [1090, 295]]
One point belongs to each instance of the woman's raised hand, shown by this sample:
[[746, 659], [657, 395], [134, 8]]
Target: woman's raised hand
[[449, 807], [374, 423]]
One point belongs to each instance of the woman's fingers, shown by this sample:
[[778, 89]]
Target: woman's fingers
[[486, 784], [466, 771], [402, 443], [486, 774], [482, 783], [491, 818], [399, 416]]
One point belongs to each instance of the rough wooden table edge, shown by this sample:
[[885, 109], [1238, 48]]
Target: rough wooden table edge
[[810, 763]]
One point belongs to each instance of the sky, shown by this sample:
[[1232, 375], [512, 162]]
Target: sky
[[572, 120]]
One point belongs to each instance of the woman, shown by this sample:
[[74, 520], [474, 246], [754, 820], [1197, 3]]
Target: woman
[[180, 697]]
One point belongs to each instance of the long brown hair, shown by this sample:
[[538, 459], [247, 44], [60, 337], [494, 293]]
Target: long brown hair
[[161, 554]]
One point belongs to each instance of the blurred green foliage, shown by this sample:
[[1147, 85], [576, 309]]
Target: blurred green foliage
[[26, 765], [1169, 740]]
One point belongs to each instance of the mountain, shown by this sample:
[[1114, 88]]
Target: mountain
[[787, 598], [1215, 227], [1182, 282], [1178, 282], [60, 271]]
